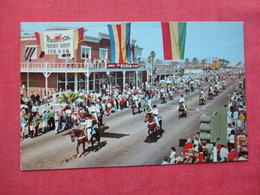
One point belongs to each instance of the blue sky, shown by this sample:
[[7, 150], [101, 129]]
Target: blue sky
[[203, 39]]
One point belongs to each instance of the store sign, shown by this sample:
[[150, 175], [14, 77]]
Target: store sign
[[121, 66], [190, 152], [58, 42], [241, 142]]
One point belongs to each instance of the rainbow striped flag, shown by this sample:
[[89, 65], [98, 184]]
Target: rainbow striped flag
[[174, 37], [120, 42]]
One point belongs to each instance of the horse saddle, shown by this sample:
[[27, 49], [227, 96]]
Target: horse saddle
[[151, 125]]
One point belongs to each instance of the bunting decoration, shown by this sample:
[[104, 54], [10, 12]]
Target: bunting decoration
[[120, 42], [174, 37]]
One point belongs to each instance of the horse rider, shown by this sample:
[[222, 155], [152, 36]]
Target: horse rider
[[87, 126], [192, 85], [136, 99], [94, 109], [216, 88], [182, 102], [155, 113], [201, 95], [210, 90], [224, 84]]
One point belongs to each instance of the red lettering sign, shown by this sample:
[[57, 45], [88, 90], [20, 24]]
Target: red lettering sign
[[122, 66], [190, 152]]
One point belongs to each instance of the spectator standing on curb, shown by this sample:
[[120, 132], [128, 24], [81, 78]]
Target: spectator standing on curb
[[44, 121], [223, 153], [173, 156]]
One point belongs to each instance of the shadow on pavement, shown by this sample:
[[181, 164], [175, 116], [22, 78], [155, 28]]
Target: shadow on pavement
[[153, 138], [113, 135], [95, 148]]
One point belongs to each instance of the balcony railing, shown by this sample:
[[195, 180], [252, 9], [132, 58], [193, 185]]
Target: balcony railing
[[61, 66], [57, 65]]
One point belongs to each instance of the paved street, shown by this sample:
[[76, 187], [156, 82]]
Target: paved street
[[124, 138]]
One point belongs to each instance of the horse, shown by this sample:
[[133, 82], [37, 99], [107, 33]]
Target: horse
[[202, 100], [182, 111], [216, 92], [153, 129], [133, 106], [210, 95], [187, 90], [81, 137], [162, 97], [122, 104], [192, 87]]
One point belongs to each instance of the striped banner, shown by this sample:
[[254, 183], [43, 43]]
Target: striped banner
[[120, 42], [174, 37], [28, 53]]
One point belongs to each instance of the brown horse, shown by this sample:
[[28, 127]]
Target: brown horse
[[182, 111], [81, 136], [133, 106]]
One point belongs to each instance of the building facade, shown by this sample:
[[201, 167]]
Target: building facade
[[88, 68]]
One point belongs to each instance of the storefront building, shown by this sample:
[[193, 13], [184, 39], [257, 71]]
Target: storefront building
[[88, 68]]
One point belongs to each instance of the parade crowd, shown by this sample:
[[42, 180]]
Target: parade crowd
[[236, 121], [90, 108]]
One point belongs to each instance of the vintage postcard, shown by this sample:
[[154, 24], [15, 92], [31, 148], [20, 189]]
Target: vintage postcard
[[107, 94]]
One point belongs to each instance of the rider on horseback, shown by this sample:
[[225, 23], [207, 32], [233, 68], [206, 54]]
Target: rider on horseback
[[201, 97], [136, 99], [210, 92], [95, 110], [216, 89], [182, 102], [87, 126], [155, 113]]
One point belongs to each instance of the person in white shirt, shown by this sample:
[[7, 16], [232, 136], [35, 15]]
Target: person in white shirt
[[182, 100], [136, 100], [223, 153], [155, 113], [173, 156], [87, 126]]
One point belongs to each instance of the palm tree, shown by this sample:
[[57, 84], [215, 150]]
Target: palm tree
[[69, 97], [149, 59], [203, 61], [195, 61], [152, 55], [221, 61], [186, 61]]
